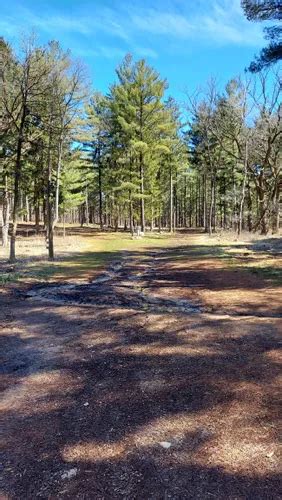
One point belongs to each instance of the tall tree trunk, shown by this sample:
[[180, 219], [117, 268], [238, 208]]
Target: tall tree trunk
[[17, 175], [101, 222], [131, 225], [36, 203], [152, 214], [5, 214], [27, 209], [130, 213], [170, 201], [224, 204], [64, 222], [37, 216], [243, 191], [199, 204], [276, 210], [2, 223], [249, 205], [50, 226], [234, 212], [175, 204], [160, 212], [214, 204], [44, 209], [82, 214], [86, 208], [190, 204], [58, 173], [262, 206], [211, 206], [142, 201], [185, 202], [205, 205]]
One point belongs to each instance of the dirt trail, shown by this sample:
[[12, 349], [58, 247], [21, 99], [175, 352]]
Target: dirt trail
[[135, 282], [126, 283], [140, 395]]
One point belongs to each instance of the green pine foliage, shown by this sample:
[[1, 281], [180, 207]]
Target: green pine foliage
[[133, 157]]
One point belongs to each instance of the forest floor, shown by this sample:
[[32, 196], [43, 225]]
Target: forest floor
[[141, 369]]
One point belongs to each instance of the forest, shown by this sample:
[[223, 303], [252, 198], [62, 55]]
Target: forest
[[140, 249], [134, 157]]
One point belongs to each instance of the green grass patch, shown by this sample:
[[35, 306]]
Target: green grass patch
[[273, 274], [6, 278], [97, 253]]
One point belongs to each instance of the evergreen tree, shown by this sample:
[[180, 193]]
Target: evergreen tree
[[139, 118], [266, 10]]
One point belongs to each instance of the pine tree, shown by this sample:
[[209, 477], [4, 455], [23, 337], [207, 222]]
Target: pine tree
[[139, 113], [263, 11]]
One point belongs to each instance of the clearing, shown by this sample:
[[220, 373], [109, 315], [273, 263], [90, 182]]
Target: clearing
[[141, 369]]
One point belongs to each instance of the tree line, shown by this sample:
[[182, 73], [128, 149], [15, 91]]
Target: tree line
[[133, 157]]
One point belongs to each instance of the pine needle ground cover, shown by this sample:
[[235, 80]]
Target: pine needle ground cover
[[147, 369]]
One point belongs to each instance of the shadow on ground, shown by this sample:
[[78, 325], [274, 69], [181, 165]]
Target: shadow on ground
[[121, 403], [97, 393]]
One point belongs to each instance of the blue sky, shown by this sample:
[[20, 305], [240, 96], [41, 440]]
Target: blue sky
[[187, 41]]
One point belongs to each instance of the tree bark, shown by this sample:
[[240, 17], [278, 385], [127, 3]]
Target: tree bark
[[101, 222], [211, 206], [17, 175], [5, 214], [276, 210], [243, 191], [142, 202], [130, 213], [86, 208], [50, 225], [262, 207], [170, 201], [58, 173]]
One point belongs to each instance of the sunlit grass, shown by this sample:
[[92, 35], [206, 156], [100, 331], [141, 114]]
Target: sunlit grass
[[91, 254], [81, 255]]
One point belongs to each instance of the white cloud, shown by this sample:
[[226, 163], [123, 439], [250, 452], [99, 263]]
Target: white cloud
[[124, 28], [8, 27], [221, 21], [227, 24], [145, 52], [61, 23], [104, 20], [162, 23], [113, 52], [107, 52]]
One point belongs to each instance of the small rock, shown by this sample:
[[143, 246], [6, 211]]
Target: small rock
[[205, 433], [69, 473], [165, 444]]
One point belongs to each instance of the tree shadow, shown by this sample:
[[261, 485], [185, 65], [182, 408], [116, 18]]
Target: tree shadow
[[109, 387], [166, 272], [272, 246]]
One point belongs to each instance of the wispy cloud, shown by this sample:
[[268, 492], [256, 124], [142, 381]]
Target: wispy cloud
[[106, 21], [162, 23], [110, 52], [227, 24], [49, 24], [220, 21], [145, 52], [123, 28], [101, 51]]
